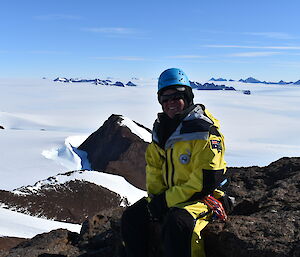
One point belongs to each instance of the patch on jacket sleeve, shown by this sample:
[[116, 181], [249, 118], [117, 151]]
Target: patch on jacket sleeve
[[216, 144]]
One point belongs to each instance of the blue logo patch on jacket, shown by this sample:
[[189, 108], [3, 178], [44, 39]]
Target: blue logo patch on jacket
[[184, 158]]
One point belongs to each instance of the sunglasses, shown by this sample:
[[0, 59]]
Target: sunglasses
[[174, 96]]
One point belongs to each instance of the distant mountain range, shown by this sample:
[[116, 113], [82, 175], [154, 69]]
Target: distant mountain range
[[209, 86], [196, 85], [253, 80], [106, 82]]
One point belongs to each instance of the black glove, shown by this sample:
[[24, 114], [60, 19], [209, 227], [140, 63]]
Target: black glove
[[228, 203], [158, 206]]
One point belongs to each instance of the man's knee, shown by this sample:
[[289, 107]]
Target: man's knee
[[134, 229], [178, 219], [135, 215], [177, 233], [126, 218]]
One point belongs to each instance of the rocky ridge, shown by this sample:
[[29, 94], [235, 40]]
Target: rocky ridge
[[72, 201]]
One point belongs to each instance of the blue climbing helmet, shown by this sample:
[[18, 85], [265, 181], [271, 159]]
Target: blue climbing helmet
[[173, 77]]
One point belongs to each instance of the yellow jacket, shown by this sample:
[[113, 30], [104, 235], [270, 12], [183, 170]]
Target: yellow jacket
[[191, 164]]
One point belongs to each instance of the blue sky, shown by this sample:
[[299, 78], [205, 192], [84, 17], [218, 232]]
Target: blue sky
[[232, 39]]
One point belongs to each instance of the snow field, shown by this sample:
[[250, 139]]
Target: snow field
[[45, 121]]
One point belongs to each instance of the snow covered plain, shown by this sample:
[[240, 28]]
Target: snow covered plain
[[44, 120]]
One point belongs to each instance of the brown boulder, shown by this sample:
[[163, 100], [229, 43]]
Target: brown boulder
[[58, 242], [7, 243], [99, 237], [100, 234], [115, 149]]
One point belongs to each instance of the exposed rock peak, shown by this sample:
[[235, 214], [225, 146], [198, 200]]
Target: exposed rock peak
[[115, 149]]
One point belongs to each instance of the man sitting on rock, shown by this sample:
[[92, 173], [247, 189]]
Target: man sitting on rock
[[185, 166]]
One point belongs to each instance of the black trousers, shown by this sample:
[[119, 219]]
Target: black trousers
[[176, 230]]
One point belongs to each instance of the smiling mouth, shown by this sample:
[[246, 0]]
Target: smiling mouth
[[173, 109]]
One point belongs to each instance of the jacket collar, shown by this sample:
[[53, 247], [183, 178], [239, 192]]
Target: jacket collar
[[195, 112]]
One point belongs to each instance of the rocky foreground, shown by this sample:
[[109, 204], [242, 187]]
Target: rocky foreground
[[265, 221]]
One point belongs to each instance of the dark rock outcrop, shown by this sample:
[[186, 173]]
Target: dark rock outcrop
[[115, 149], [265, 221], [1, 127], [60, 242], [250, 80], [99, 237], [253, 80], [102, 230], [119, 84], [96, 81], [73, 201], [130, 84], [209, 86], [297, 82], [219, 79], [6, 243]]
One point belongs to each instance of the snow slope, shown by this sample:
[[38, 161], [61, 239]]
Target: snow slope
[[44, 121], [16, 224]]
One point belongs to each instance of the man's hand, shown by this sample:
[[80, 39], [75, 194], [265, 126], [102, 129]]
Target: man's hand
[[228, 203]]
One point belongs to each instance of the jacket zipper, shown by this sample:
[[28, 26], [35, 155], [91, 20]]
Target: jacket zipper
[[173, 168], [167, 169]]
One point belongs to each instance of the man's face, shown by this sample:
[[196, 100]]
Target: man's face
[[173, 105]]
